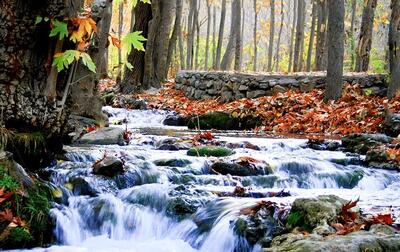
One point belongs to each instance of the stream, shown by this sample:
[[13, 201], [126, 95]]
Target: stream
[[132, 211]]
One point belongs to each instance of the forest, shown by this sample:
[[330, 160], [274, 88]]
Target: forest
[[199, 125]]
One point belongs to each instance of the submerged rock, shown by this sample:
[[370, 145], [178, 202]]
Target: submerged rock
[[311, 213], [172, 162], [110, 167], [103, 136], [241, 169], [209, 151]]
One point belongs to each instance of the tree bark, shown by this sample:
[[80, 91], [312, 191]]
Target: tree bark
[[133, 79], [190, 30], [208, 34], [320, 50], [365, 38], [238, 42], [255, 35], [214, 42], [334, 79], [299, 36], [197, 25], [312, 35], [120, 24], [292, 35], [278, 44], [352, 39], [175, 33], [394, 52], [271, 35], [230, 48], [220, 35]]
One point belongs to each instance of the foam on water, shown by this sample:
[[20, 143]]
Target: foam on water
[[131, 212]]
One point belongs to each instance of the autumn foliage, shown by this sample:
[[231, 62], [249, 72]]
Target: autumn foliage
[[291, 112]]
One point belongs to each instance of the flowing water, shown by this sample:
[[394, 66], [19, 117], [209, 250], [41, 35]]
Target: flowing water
[[132, 212]]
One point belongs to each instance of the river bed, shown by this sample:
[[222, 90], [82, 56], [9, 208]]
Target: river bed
[[131, 212]]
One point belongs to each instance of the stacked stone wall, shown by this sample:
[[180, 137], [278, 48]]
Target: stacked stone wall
[[229, 86]]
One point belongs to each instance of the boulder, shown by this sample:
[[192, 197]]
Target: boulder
[[261, 227], [378, 158], [109, 166], [241, 169], [209, 151], [353, 242], [223, 121], [103, 136], [362, 143], [311, 213], [392, 125], [80, 186], [175, 120]]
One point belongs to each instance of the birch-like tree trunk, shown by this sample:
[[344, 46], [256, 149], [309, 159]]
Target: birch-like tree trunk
[[271, 34], [312, 35]]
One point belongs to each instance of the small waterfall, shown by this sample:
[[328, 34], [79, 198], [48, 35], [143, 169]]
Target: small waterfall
[[165, 208]]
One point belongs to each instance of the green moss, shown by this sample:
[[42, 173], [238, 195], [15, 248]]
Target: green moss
[[209, 151], [31, 142], [295, 220]]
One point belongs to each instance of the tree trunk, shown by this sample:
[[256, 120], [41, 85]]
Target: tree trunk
[[197, 23], [208, 34], [299, 36], [271, 35], [394, 53], [278, 44], [175, 33], [133, 79], [292, 35], [214, 42], [214, 46], [190, 39], [312, 34], [238, 42], [334, 79], [255, 35], [320, 50], [230, 48], [120, 26], [180, 43], [157, 43], [220, 35], [352, 39], [365, 38]]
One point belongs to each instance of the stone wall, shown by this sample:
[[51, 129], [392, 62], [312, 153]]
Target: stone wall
[[229, 86]]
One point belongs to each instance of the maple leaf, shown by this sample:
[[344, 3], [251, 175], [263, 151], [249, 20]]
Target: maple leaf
[[386, 219], [59, 28], [85, 27], [6, 215], [4, 195], [134, 40]]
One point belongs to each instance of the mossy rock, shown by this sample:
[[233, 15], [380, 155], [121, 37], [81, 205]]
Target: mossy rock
[[311, 213], [209, 151], [223, 121], [172, 162]]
